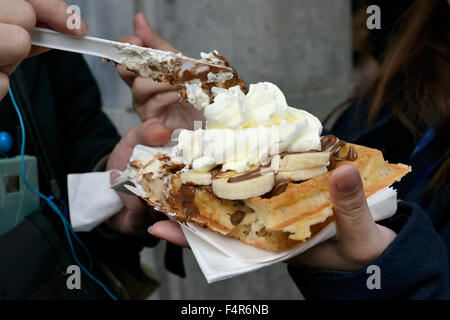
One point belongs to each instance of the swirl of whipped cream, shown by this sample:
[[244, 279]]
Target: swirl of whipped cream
[[245, 130]]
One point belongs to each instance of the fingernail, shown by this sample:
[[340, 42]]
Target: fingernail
[[83, 30], [346, 179], [149, 230]]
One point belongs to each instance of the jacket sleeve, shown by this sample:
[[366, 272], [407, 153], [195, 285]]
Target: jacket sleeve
[[414, 266], [87, 133]]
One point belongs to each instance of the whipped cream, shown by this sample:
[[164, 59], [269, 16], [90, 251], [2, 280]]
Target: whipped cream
[[196, 95], [244, 130], [144, 61]]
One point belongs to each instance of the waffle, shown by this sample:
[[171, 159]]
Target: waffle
[[267, 222]]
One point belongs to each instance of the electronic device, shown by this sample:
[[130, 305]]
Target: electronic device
[[16, 200]]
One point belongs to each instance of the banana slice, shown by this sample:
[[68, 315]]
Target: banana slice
[[301, 175], [300, 161], [196, 177], [242, 189]]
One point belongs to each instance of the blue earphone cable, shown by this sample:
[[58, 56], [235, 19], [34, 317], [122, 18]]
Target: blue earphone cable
[[67, 226]]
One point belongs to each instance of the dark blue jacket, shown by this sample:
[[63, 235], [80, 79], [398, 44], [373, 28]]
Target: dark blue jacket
[[416, 264]]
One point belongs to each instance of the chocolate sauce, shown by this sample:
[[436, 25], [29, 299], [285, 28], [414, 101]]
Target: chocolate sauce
[[162, 157], [280, 187], [351, 155], [215, 172], [285, 153], [327, 141], [237, 217], [251, 174], [335, 149], [334, 159], [187, 196], [173, 167], [208, 189]]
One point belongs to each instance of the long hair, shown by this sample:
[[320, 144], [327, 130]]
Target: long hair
[[414, 76]]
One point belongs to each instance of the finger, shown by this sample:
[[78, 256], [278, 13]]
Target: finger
[[4, 85], [149, 133], [322, 256], [353, 219], [113, 177], [144, 88], [326, 256], [16, 44], [155, 106], [54, 13], [36, 50], [149, 37], [133, 218], [18, 12], [132, 40], [170, 231], [124, 73]]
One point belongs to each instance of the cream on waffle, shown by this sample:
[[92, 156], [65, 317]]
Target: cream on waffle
[[288, 212], [258, 172]]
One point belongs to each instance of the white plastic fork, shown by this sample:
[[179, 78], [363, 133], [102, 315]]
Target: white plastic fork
[[110, 50]]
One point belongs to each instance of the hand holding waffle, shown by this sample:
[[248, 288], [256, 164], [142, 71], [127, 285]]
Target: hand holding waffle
[[134, 217], [359, 239]]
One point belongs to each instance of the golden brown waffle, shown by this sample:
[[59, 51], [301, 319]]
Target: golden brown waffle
[[275, 223]]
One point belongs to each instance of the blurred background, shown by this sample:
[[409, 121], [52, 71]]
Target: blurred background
[[316, 51]]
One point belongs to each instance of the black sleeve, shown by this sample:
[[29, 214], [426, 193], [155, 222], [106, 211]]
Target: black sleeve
[[414, 266], [34, 260], [87, 133]]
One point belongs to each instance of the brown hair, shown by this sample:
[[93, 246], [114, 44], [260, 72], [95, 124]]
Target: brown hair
[[414, 76]]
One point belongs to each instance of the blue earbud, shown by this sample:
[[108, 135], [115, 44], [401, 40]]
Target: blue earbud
[[6, 142]]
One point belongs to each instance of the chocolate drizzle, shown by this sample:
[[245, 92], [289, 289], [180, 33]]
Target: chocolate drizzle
[[215, 172], [193, 74], [327, 141], [251, 174], [237, 217], [208, 188], [279, 187], [187, 197], [285, 153]]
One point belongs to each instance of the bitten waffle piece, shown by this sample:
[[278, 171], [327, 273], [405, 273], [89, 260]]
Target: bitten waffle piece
[[196, 77]]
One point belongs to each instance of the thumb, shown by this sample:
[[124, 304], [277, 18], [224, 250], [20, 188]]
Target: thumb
[[150, 133], [354, 222], [149, 37]]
